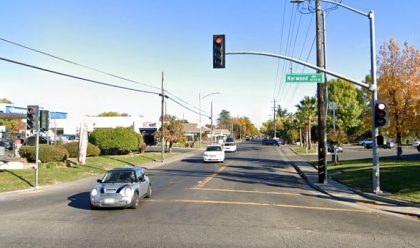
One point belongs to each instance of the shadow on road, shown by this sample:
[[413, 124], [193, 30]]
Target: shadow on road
[[80, 201]]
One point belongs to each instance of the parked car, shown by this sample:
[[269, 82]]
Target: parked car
[[368, 144], [30, 141], [121, 187], [229, 146], [417, 144], [330, 148], [214, 153], [362, 142], [7, 144], [270, 142], [388, 145]]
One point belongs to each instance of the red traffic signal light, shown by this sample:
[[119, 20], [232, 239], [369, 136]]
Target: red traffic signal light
[[381, 115], [219, 51], [32, 117]]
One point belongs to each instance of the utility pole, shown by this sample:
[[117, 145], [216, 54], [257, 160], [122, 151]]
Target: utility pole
[[274, 101], [211, 120], [322, 144], [199, 119], [162, 123], [324, 49]]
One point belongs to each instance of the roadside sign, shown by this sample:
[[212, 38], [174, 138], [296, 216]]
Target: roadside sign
[[304, 78]]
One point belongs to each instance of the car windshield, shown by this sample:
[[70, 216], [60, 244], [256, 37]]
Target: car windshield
[[213, 148], [118, 177], [230, 140]]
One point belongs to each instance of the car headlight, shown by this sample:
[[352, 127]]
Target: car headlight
[[127, 191], [94, 192]]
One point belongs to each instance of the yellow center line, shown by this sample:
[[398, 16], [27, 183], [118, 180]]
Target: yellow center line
[[205, 181], [246, 191], [261, 204]]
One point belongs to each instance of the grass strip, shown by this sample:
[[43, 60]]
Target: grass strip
[[53, 173]]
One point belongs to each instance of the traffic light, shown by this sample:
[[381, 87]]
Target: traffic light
[[219, 51], [32, 117], [44, 120], [381, 114]]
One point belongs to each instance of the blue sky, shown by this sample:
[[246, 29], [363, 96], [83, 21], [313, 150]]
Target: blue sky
[[141, 39]]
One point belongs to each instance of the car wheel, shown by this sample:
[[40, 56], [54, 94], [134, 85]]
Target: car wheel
[[149, 191], [135, 200]]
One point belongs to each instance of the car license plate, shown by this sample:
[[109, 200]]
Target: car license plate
[[109, 201]]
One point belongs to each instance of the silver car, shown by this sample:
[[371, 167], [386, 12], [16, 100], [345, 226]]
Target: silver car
[[121, 187]]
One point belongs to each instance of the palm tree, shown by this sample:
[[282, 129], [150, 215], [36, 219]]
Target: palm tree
[[307, 111]]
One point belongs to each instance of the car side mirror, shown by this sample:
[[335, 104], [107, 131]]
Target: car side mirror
[[99, 180]]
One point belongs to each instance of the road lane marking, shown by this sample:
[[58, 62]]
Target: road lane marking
[[200, 184], [260, 205], [247, 191]]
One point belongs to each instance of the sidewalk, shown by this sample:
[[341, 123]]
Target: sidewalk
[[345, 193]]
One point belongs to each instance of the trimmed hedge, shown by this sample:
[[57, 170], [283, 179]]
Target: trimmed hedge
[[116, 141], [47, 153], [73, 149]]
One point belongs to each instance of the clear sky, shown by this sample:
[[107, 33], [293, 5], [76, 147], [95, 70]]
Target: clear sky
[[140, 39]]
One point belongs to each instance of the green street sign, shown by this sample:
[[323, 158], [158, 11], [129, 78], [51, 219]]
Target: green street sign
[[304, 78]]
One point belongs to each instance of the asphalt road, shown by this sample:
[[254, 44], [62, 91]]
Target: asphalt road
[[254, 199]]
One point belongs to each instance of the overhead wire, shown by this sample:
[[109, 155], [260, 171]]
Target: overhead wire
[[281, 45], [293, 51], [288, 44], [292, 96], [95, 81], [93, 69]]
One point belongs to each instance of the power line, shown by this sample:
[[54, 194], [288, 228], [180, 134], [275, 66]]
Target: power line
[[76, 77], [77, 64], [93, 69], [281, 45], [291, 28]]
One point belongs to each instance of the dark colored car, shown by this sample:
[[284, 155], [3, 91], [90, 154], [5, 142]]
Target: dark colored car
[[30, 141], [7, 144], [270, 142]]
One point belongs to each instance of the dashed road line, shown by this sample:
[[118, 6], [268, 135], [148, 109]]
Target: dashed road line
[[201, 184]]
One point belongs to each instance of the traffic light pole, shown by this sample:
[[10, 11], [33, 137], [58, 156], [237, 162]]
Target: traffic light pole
[[375, 158], [36, 153], [162, 139]]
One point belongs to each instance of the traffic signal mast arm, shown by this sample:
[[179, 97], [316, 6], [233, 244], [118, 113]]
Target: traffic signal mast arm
[[365, 85]]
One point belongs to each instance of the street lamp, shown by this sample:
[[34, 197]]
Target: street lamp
[[199, 104], [373, 86]]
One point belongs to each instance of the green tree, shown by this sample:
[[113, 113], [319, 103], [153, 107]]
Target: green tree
[[11, 125], [281, 113], [306, 113], [173, 131], [224, 120], [350, 106]]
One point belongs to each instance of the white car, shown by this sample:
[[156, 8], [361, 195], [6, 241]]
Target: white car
[[214, 153], [416, 143], [230, 147]]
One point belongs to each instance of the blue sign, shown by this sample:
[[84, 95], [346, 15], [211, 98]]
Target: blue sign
[[22, 111]]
